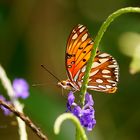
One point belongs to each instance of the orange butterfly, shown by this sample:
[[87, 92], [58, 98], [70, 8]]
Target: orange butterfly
[[103, 76]]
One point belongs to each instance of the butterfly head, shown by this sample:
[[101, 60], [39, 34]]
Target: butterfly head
[[66, 84]]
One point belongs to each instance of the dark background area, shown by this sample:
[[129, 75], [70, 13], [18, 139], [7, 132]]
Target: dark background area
[[34, 32]]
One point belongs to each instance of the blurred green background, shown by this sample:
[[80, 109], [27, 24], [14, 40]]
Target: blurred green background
[[34, 32]]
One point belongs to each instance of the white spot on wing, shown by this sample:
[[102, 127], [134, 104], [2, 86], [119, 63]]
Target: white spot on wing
[[113, 60], [90, 42], [103, 55], [100, 86], [115, 63], [93, 73], [108, 86], [84, 37], [99, 80], [111, 81], [106, 76], [95, 64], [74, 31], [83, 69], [79, 26], [116, 70], [82, 29], [75, 36], [80, 84], [76, 76], [116, 73], [112, 66], [92, 87], [105, 71], [103, 60]]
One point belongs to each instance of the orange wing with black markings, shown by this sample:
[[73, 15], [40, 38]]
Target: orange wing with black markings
[[78, 50]]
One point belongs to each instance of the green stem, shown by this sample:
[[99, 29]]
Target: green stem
[[77, 135], [10, 92], [98, 38], [80, 133]]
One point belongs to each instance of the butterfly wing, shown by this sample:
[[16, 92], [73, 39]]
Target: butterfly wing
[[78, 51], [104, 73]]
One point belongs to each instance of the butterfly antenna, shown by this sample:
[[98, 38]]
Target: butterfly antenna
[[50, 73], [35, 85]]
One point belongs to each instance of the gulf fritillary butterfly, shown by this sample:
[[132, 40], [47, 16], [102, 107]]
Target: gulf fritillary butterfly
[[103, 76]]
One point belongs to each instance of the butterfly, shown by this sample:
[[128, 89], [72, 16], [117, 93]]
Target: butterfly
[[104, 73]]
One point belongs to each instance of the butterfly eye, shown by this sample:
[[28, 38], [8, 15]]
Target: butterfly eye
[[62, 83], [68, 84]]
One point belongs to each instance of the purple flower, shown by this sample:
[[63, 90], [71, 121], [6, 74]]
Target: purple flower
[[21, 88], [5, 110], [88, 99], [86, 115], [71, 98]]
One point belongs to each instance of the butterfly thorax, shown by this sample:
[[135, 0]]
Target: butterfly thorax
[[68, 85]]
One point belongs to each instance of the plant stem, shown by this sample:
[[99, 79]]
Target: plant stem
[[25, 119], [10, 92], [80, 130], [77, 135], [98, 38]]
